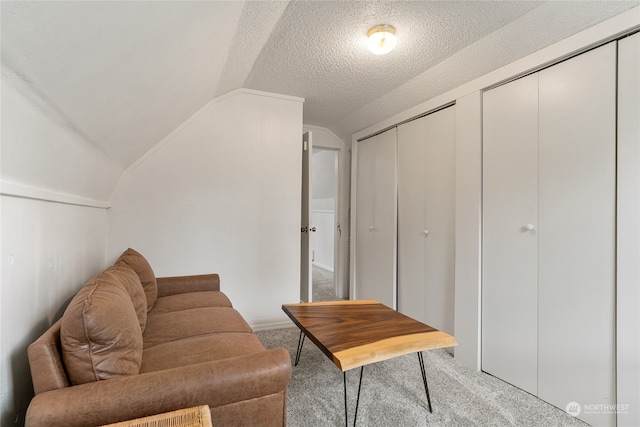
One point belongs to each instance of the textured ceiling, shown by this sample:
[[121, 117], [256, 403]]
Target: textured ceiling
[[125, 74], [320, 48]]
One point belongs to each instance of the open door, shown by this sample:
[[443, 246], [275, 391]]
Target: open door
[[305, 223]]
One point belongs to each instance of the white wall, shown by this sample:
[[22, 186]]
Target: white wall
[[323, 137], [323, 206], [322, 241], [323, 179], [48, 249], [222, 194]]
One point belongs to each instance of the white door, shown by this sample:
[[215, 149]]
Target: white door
[[426, 200], [412, 292], [305, 221], [365, 218], [439, 219], [550, 305], [510, 244], [577, 205], [376, 219], [628, 251]]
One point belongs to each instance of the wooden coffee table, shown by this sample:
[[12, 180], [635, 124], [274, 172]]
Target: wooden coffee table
[[357, 333]]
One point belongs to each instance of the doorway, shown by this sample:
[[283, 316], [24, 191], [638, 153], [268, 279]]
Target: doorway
[[324, 201]]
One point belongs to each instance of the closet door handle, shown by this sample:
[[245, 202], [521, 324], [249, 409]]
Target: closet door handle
[[426, 232], [528, 227]]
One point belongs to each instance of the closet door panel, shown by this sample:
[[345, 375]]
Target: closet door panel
[[628, 241], [376, 219], [577, 231], [365, 219], [385, 228], [439, 218], [510, 264], [411, 203]]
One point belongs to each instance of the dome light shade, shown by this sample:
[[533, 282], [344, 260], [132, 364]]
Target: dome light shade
[[382, 39]]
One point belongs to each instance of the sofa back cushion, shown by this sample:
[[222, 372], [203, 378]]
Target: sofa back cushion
[[100, 333], [131, 282], [141, 266]]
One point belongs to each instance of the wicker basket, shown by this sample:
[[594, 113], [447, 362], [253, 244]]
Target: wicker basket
[[199, 416]]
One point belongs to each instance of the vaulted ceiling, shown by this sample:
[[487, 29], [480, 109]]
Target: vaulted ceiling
[[124, 74]]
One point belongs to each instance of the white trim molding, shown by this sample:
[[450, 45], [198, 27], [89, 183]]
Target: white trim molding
[[13, 189]]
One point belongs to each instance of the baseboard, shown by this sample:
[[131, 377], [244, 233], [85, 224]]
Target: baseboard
[[270, 326], [325, 267]]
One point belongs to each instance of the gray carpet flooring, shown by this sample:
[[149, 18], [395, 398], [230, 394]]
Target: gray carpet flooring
[[323, 284], [393, 393]]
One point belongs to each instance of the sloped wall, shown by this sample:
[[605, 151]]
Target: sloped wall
[[222, 194], [45, 157]]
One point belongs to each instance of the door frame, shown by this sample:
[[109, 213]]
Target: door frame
[[323, 138]]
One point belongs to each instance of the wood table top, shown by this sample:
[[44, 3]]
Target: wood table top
[[360, 332]]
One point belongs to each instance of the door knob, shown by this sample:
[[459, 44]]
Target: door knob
[[313, 229], [528, 227], [426, 232]]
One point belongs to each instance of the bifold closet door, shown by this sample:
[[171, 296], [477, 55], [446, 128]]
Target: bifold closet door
[[376, 218], [577, 208], [549, 212], [628, 239], [426, 202], [510, 238]]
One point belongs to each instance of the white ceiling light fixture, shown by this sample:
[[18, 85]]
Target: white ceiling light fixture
[[382, 39]]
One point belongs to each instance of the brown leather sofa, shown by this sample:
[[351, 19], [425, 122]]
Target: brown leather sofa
[[130, 345]]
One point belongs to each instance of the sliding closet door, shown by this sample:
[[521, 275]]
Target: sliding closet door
[[376, 219], [577, 206], [510, 217], [426, 201]]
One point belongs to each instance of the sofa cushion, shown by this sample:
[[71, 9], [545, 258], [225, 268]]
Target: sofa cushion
[[165, 327], [131, 282], [199, 349], [141, 266], [190, 300], [100, 333]]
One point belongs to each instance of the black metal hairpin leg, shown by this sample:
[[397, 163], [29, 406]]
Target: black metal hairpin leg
[[424, 379], [300, 342], [346, 415]]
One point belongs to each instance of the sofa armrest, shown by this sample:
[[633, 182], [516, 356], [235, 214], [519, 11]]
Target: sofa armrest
[[214, 383], [182, 284]]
